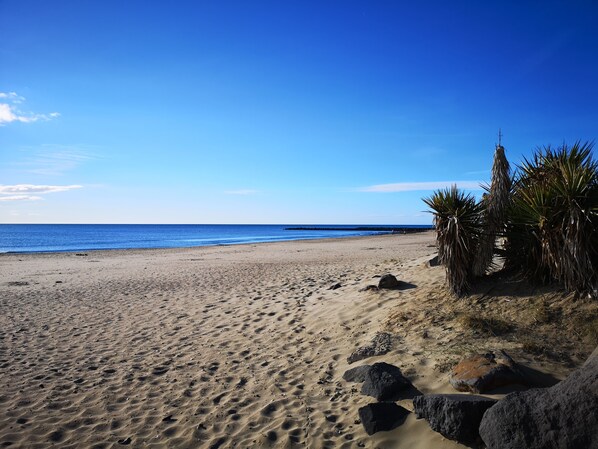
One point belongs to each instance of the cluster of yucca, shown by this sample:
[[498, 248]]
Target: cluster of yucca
[[547, 214], [551, 227]]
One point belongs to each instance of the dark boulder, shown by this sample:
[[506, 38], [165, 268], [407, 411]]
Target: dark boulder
[[382, 416], [455, 416], [388, 281], [384, 382], [356, 374], [484, 372], [564, 416], [433, 262]]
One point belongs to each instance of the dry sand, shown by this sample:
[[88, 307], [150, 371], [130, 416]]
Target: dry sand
[[236, 346]]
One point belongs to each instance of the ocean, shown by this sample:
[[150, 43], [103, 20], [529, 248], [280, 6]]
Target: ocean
[[86, 237]]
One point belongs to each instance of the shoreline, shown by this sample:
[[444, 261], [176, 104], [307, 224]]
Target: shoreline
[[224, 245]]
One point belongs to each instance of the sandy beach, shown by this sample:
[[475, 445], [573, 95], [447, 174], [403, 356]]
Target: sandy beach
[[218, 347]]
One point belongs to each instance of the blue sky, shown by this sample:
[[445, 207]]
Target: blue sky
[[278, 112]]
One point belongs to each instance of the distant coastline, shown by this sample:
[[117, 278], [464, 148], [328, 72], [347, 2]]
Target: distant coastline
[[392, 229]]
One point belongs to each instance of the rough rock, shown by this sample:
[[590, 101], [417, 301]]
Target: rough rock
[[381, 416], [388, 281], [384, 382], [455, 416], [368, 288], [356, 374], [380, 345], [563, 416], [484, 372], [433, 262], [335, 286]]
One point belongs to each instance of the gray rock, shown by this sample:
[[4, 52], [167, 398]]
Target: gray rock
[[356, 374], [484, 372], [564, 416], [388, 281], [382, 416], [455, 416], [380, 345], [384, 382]]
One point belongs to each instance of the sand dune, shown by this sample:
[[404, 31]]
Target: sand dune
[[238, 346]]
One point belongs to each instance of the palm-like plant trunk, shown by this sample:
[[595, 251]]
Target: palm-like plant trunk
[[496, 202]]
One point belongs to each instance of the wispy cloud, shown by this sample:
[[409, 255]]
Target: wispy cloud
[[478, 172], [20, 198], [54, 160], [10, 112], [415, 186], [241, 192], [30, 192], [12, 97]]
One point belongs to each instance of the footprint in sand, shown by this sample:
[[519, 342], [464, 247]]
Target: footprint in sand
[[213, 367], [56, 436], [269, 409], [217, 443], [295, 436], [218, 398], [159, 370]]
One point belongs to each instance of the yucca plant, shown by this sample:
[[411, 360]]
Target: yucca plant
[[495, 205], [457, 222], [526, 230], [553, 218]]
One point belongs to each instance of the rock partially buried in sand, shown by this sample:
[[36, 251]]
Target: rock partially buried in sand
[[384, 382], [356, 374], [455, 416], [388, 281], [484, 372], [382, 416], [380, 345], [433, 262], [562, 416], [369, 288]]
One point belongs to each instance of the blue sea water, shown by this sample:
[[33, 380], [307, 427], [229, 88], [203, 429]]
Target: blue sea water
[[76, 237]]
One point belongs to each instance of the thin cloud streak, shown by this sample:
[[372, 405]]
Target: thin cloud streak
[[20, 198], [479, 172], [55, 160], [241, 192], [26, 189], [415, 186]]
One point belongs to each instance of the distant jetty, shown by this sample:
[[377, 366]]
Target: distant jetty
[[389, 229]]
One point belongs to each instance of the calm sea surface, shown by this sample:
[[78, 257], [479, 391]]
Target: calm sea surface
[[37, 238]]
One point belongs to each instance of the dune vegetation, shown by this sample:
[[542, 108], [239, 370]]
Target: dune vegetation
[[540, 221]]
